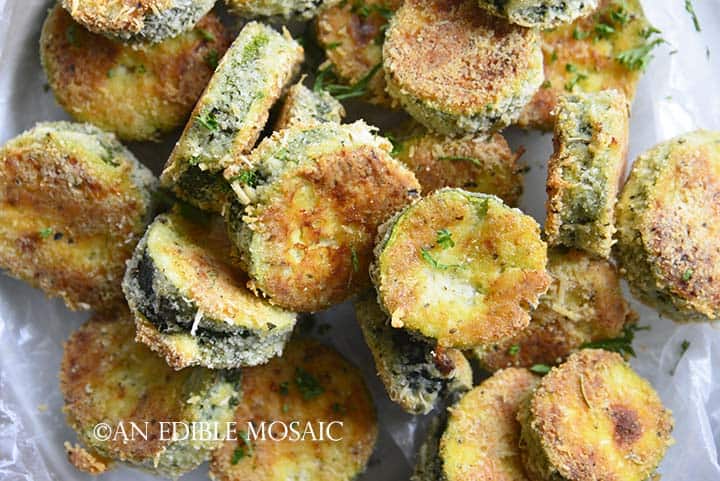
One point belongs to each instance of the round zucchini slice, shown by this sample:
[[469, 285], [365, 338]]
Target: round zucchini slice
[[476, 164], [458, 70], [228, 118], [460, 268], [416, 374], [352, 34], [73, 203], [584, 304], [669, 227], [139, 21], [192, 305], [586, 171], [592, 54], [306, 213], [287, 9], [138, 92], [593, 418], [109, 380], [544, 14], [311, 384], [302, 106]]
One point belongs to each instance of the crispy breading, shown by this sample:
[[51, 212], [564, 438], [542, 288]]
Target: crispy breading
[[544, 14], [303, 106]]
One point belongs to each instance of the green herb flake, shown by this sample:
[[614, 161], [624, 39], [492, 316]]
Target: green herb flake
[[247, 177], [461, 158], [71, 35], [46, 232], [687, 275], [622, 344], [354, 260], [514, 350], [241, 451], [540, 368], [284, 389], [212, 59], [427, 257], [546, 84], [684, 346], [308, 384], [639, 57], [208, 121], [205, 34], [691, 10], [326, 80], [603, 30], [579, 34], [444, 239], [332, 45], [285, 408]]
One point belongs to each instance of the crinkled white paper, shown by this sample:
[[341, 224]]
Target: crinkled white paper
[[678, 93]]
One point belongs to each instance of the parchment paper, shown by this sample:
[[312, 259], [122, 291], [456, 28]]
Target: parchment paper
[[678, 93]]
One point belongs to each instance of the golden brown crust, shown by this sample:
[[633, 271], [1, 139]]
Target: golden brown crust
[[352, 38], [86, 460], [577, 45], [73, 204], [482, 434], [138, 92], [594, 418], [271, 393], [584, 304], [474, 164]]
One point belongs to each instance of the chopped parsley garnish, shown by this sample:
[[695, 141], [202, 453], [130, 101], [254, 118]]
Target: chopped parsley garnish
[[396, 145], [284, 388], [208, 121], [327, 80], [579, 77], [71, 35], [427, 257], [540, 368], [354, 260], [687, 275], [514, 350], [247, 177], [579, 34], [691, 10], [546, 84], [205, 35], [308, 384], [603, 30], [620, 15], [456, 158], [332, 45], [684, 346], [212, 59], [244, 450], [444, 239], [46, 232], [622, 344], [639, 57], [108, 156]]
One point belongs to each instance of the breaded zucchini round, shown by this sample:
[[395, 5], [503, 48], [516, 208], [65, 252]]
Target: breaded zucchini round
[[352, 34], [460, 268], [669, 227], [480, 438], [73, 203], [592, 54], [138, 92], [476, 164], [139, 21], [306, 213], [311, 384], [415, 373], [593, 418], [302, 106], [545, 14], [458, 70], [106, 377], [584, 304], [192, 305], [586, 171], [228, 118], [288, 9]]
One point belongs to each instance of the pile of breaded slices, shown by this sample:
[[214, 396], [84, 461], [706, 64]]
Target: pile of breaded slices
[[269, 205]]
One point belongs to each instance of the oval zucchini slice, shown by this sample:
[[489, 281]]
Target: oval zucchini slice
[[138, 92], [416, 374], [305, 215], [460, 268], [669, 227], [584, 304], [139, 21], [229, 116], [303, 106], [192, 305], [310, 384], [73, 203], [544, 14], [476, 164], [285, 9], [595, 53], [586, 171], [593, 418], [458, 70], [107, 377]]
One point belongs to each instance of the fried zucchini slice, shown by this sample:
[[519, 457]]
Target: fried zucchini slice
[[593, 54], [287, 9], [107, 377], [303, 106], [138, 92], [593, 418], [586, 171], [352, 34], [192, 305], [668, 220], [479, 437], [476, 164], [460, 268], [544, 14], [139, 21], [458, 70], [415, 373], [311, 383], [305, 231], [73, 203], [584, 304], [232, 111]]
